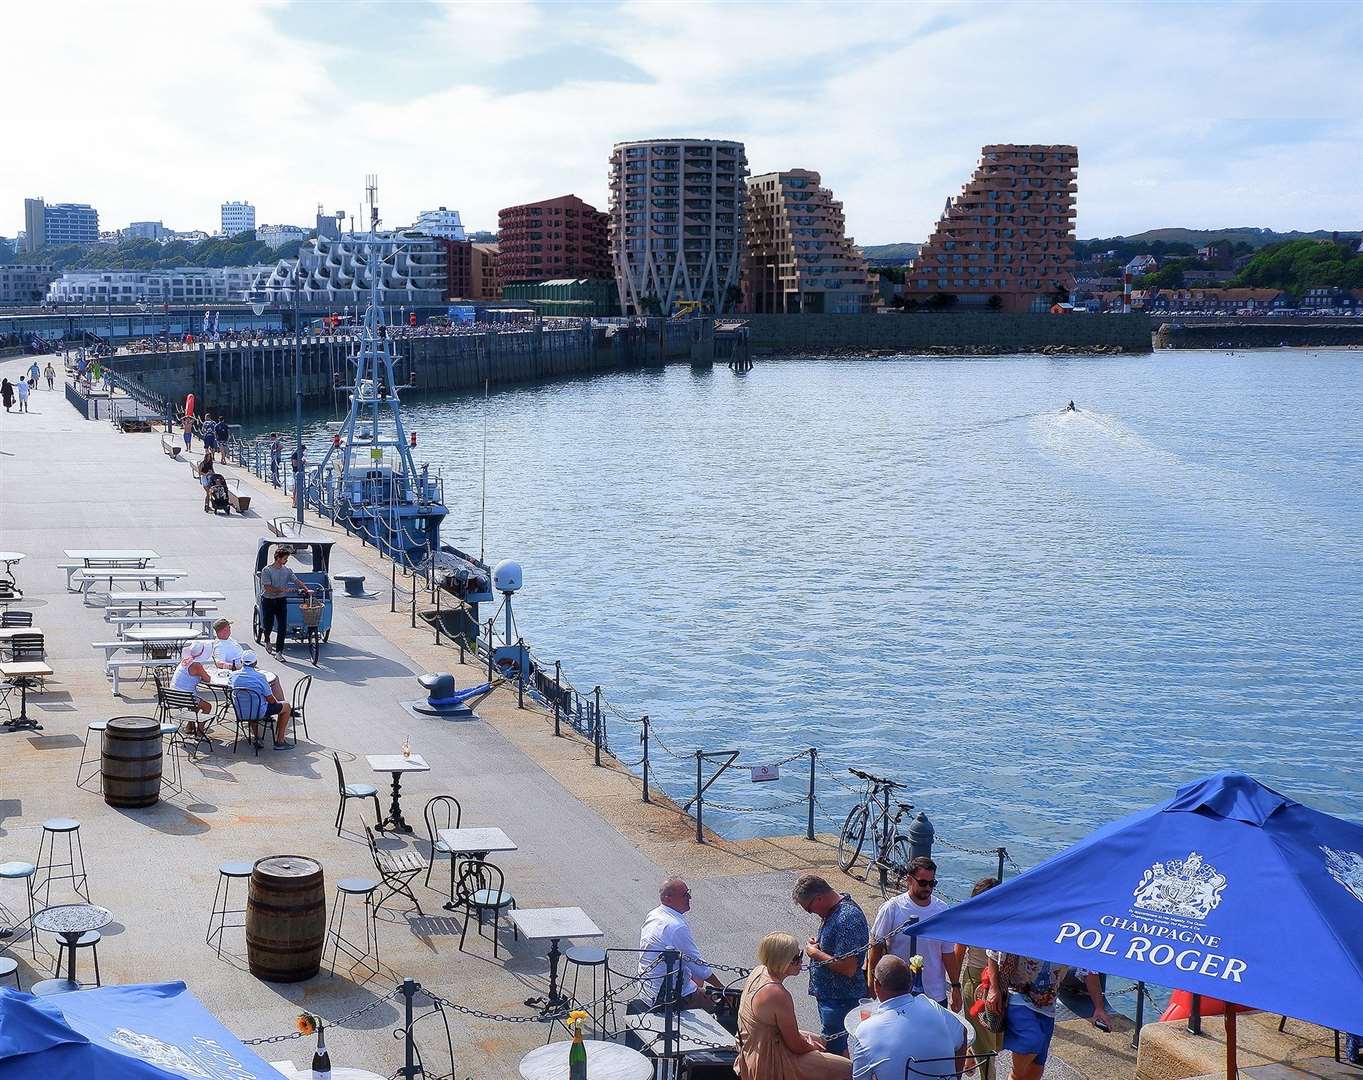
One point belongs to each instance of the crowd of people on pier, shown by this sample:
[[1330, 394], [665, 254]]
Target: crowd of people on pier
[[928, 1008]]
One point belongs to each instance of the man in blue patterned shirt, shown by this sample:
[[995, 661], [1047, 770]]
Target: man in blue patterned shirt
[[836, 955]]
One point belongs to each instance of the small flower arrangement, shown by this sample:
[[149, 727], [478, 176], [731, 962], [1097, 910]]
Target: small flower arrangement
[[916, 964], [308, 1024], [577, 1018]]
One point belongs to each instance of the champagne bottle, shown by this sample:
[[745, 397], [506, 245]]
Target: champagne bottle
[[321, 1060], [577, 1055]]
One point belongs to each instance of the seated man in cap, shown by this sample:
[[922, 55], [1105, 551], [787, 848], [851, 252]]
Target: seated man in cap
[[248, 678]]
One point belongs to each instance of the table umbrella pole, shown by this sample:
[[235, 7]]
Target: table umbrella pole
[[1231, 1070]]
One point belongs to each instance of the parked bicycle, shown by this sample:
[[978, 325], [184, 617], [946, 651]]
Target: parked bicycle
[[890, 852]]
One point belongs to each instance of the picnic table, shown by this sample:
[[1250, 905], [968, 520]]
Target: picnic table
[[84, 579], [397, 765], [23, 674], [475, 842], [133, 558], [554, 923], [179, 599]]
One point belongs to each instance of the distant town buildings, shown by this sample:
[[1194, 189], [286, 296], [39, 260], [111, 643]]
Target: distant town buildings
[[473, 271], [59, 223], [237, 217], [145, 230], [581, 297], [553, 239], [335, 271], [22, 283], [676, 223], [443, 223], [278, 235], [189, 284], [799, 257], [1009, 234], [1141, 265]]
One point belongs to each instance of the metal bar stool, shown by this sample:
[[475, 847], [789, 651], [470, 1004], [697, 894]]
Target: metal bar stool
[[10, 966], [93, 732], [88, 940], [173, 740], [226, 872], [598, 1005], [346, 888], [46, 863], [14, 871]]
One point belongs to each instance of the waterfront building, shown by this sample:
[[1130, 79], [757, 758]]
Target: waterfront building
[[584, 297], [473, 271], [237, 217], [555, 238], [25, 283], [59, 223], [334, 271], [1009, 234], [676, 223], [799, 257], [183, 285], [443, 223], [145, 230], [278, 235]]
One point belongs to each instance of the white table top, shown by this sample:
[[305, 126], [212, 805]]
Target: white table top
[[168, 597], [112, 554], [554, 922], [853, 1020], [605, 1061], [27, 667], [7, 632], [164, 634], [696, 1030], [12, 556], [397, 763], [290, 1071], [222, 677], [105, 573], [472, 841]]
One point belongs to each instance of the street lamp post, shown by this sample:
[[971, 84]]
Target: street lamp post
[[300, 483]]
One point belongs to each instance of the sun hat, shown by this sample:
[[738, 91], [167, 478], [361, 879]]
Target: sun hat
[[193, 652]]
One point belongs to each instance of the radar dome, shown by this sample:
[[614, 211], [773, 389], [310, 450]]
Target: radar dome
[[506, 576]]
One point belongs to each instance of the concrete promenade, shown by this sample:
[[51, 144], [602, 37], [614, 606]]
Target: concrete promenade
[[584, 837]]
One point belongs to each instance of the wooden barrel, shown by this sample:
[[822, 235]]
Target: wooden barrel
[[130, 761], [286, 918]]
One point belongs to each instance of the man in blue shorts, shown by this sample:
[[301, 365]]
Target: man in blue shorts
[[248, 678]]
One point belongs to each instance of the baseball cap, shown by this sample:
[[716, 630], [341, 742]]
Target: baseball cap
[[248, 658]]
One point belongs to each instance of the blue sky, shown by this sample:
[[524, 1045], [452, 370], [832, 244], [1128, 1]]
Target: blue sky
[[1202, 115]]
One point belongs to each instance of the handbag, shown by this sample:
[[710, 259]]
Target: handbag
[[988, 1010]]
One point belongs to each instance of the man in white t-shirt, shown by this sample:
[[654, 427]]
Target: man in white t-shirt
[[906, 1030], [228, 653], [889, 934]]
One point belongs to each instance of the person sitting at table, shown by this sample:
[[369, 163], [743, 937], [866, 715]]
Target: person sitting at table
[[227, 653], [190, 675], [666, 928], [772, 1046], [907, 1030], [248, 678]]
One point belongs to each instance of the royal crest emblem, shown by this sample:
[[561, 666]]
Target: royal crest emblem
[[1188, 888], [159, 1053], [1346, 867]]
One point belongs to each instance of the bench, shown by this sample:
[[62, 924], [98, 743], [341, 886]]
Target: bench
[[71, 568], [170, 621], [237, 501], [354, 584], [170, 447], [139, 663]]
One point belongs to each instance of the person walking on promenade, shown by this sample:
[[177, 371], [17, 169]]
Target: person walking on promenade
[[772, 1046], [892, 932], [1023, 990], [836, 955], [208, 433], [187, 431], [973, 962], [51, 374], [23, 395], [7, 394], [666, 927], [907, 1035], [276, 459], [33, 371]]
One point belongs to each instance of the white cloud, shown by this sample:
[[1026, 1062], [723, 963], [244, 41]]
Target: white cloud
[[160, 110]]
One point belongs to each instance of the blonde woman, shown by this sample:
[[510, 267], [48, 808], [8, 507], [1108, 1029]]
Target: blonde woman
[[773, 1046]]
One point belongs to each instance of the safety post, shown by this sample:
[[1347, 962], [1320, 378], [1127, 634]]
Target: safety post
[[436, 620], [809, 821], [700, 799], [520, 675], [596, 724], [1140, 1016], [558, 696], [1003, 854], [1195, 1015], [393, 586], [644, 739], [489, 650], [413, 601], [409, 1065]]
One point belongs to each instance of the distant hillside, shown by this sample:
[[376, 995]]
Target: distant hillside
[[901, 252], [1255, 238], [138, 254]]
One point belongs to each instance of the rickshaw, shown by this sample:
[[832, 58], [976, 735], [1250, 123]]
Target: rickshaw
[[308, 619]]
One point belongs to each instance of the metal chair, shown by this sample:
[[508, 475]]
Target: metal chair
[[25, 872], [248, 710], [227, 873], [88, 940], [353, 791], [75, 859], [10, 617], [298, 699], [94, 730], [346, 888], [482, 888], [397, 869], [27, 647], [442, 812], [170, 701]]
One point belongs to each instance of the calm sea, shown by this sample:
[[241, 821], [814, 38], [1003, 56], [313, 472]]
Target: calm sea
[[1039, 620]]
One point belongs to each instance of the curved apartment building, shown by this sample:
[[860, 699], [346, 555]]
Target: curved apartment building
[[1010, 233], [415, 270], [676, 223]]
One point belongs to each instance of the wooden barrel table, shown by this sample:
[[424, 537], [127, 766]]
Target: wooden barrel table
[[286, 918], [130, 761]]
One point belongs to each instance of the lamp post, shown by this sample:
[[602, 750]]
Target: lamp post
[[299, 480]]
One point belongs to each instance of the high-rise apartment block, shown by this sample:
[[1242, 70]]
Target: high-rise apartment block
[[799, 256], [552, 239], [59, 223], [238, 217], [676, 223], [473, 271], [1010, 233], [443, 223]]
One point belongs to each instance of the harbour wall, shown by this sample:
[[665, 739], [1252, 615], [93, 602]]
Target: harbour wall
[[250, 380], [1259, 334], [965, 332]]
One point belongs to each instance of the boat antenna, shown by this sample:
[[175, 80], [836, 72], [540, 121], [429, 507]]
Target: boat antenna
[[482, 535]]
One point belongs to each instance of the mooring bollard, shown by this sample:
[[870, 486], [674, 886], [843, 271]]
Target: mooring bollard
[[921, 835]]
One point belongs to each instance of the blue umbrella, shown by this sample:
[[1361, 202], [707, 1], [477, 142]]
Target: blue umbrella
[[1229, 890], [153, 1032]]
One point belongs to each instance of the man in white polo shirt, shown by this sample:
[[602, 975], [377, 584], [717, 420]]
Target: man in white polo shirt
[[667, 928], [905, 1028], [941, 969]]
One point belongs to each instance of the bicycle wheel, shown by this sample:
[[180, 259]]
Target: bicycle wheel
[[314, 644], [851, 838], [896, 868]]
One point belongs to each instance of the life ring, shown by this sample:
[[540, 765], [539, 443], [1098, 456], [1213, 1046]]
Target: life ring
[[189, 405], [1181, 1006]]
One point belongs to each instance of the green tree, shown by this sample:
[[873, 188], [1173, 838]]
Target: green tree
[[941, 301], [995, 303]]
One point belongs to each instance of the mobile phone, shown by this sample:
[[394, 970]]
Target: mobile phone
[[1102, 1026]]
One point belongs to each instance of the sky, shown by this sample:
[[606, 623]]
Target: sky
[[1201, 115]]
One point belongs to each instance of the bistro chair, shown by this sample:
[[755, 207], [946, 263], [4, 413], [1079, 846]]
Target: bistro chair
[[248, 708], [397, 869], [11, 617], [298, 700], [171, 703], [482, 886], [24, 647], [353, 791], [442, 812]]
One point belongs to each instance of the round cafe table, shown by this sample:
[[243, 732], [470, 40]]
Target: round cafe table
[[605, 1061], [339, 1072], [69, 921], [9, 558]]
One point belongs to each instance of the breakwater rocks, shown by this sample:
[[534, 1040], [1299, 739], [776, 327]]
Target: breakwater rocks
[[966, 350]]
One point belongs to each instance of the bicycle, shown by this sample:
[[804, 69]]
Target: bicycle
[[890, 850]]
